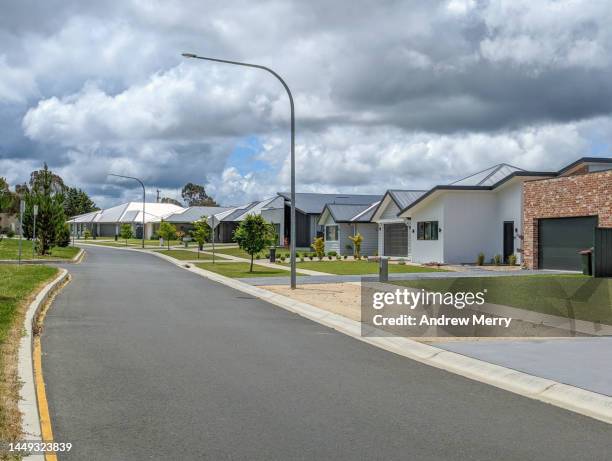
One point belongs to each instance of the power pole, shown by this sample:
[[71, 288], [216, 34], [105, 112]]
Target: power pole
[[158, 191]]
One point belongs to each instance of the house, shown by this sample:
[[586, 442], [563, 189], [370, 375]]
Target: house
[[107, 222], [226, 222], [184, 219], [480, 213], [560, 214], [309, 207], [393, 231], [341, 221], [9, 222]]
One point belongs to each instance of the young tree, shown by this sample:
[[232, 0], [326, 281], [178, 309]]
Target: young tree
[[5, 195], [253, 235], [357, 239], [201, 233], [77, 202], [47, 191], [195, 195], [167, 231], [126, 232], [319, 247]]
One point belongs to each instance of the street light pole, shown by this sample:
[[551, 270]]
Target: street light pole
[[143, 201], [257, 66]]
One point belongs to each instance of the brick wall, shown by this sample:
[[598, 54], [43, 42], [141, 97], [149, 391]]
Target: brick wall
[[577, 195]]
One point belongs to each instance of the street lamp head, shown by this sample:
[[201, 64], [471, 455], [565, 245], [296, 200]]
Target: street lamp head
[[189, 55]]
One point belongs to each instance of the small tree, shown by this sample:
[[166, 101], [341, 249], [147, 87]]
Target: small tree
[[319, 247], [167, 231], [87, 234], [126, 232], [357, 239], [201, 233], [253, 235]]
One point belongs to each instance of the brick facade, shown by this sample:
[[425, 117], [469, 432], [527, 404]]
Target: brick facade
[[587, 194]]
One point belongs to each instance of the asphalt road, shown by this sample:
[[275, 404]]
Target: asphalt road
[[143, 360]]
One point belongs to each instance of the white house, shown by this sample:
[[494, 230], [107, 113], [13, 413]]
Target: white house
[[107, 222], [393, 231], [453, 223], [341, 221]]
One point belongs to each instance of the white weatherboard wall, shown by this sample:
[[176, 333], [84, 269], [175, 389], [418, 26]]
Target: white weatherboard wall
[[510, 208], [389, 216], [276, 216], [344, 231]]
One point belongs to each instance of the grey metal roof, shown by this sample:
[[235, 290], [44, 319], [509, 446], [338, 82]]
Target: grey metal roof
[[403, 198], [129, 216], [238, 212], [194, 213], [312, 203], [345, 212], [488, 177], [112, 214]]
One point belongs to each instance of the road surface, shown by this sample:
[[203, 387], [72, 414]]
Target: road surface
[[143, 360]]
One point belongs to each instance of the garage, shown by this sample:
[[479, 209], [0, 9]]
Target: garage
[[396, 240], [560, 239]]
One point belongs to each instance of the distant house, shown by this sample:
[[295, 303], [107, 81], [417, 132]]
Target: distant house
[[309, 207], [107, 222], [184, 219], [341, 221], [480, 213], [393, 231]]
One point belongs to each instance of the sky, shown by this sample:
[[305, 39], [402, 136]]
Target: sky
[[388, 94]]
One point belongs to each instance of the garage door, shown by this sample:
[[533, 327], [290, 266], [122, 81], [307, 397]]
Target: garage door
[[396, 240], [561, 238]]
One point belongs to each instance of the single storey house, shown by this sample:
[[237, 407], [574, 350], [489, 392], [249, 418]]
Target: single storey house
[[309, 207], [107, 222], [393, 231], [560, 214], [341, 221], [184, 219], [482, 213]]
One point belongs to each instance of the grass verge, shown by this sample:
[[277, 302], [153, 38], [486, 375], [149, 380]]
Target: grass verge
[[360, 267], [18, 284], [572, 296], [241, 270], [9, 249]]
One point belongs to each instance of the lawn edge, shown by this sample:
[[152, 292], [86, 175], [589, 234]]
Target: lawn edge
[[76, 259], [29, 403], [575, 399]]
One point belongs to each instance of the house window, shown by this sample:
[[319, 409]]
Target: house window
[[427, 230], [331, 233]]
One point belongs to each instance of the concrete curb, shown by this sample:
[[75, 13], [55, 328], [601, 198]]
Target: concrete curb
[[28, 403], [571, 398]]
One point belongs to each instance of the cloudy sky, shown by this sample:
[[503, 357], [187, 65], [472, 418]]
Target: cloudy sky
[[388, 94]]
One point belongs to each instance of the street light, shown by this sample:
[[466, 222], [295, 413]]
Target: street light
[[257, 66], [143, 200]]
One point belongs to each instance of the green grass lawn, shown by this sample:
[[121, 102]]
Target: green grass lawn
[[17, 283], [239, 252], [9, 249], [241, 270], [573, 296], [359, 267], [185, 255]]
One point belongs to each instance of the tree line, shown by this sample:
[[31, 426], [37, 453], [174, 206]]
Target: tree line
[[55, 201]]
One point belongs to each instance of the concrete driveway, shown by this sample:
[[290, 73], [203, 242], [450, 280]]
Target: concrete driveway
[[143, 360]]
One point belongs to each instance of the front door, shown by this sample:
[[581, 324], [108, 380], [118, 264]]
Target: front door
[[508, 239]]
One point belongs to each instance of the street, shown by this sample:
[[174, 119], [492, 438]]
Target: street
[[143, 360]]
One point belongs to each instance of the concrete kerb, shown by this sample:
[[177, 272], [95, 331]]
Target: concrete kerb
[[28, 403], [571, 398]]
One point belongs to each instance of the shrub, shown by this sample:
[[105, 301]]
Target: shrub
[[267, 255], [357, 240], [310, 256], [10, 233], [332, 253], [62, 239], [319, 247], [329, 257], [287, 255], [154, 236], [497, 260], [301, 259], [282, 258], [338, 257], [87, 234], [257, 256], [345, 256], [480, 259], [512, 260]]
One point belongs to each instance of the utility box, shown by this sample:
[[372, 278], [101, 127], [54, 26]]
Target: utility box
[[587, 261], [272, 255]]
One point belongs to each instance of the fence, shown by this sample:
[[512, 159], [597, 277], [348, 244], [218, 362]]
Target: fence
[[602, 257]]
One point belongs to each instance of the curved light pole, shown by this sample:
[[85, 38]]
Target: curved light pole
[[257, 66], [143, 200]]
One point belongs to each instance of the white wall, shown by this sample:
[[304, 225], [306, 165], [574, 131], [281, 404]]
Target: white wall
[[424, 251], [510, 208], [276, 216]]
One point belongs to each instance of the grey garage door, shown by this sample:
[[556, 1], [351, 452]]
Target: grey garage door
[[396, 240], [560, 239]]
